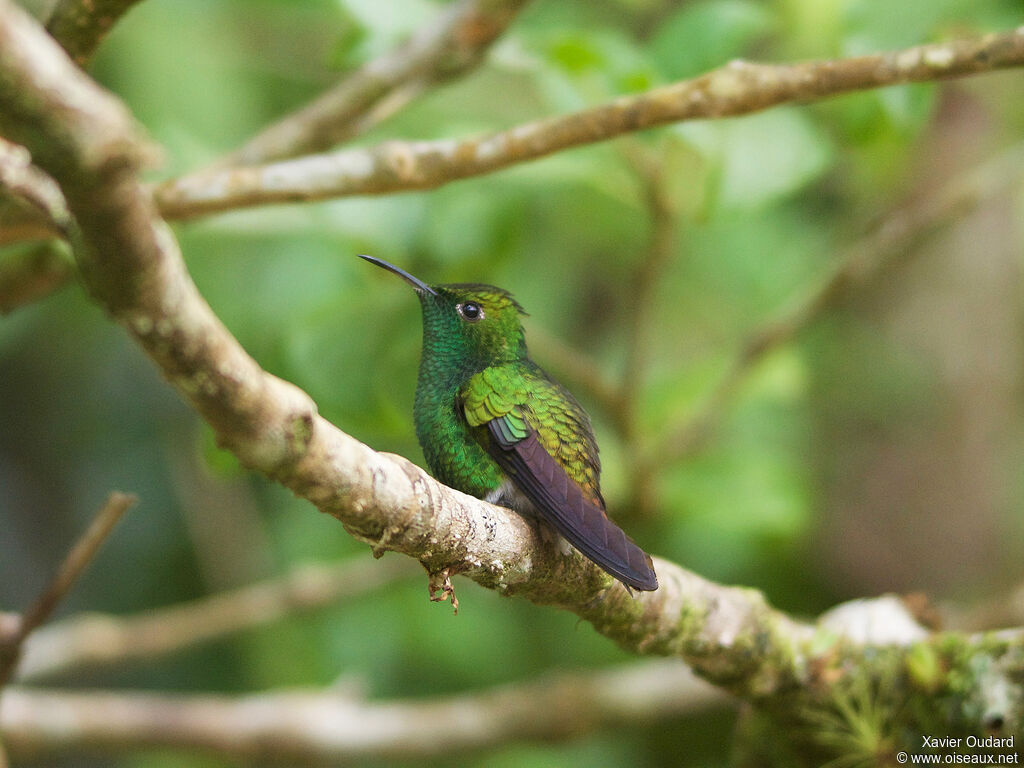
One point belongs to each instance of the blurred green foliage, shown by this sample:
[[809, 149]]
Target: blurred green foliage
[[762, 205]]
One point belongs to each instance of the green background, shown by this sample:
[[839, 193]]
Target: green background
[[877, 452]]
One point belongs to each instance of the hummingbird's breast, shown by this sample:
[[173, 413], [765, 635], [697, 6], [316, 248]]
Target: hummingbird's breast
[[453, 456]]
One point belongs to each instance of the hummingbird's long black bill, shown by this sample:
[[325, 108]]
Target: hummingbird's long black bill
[[415, 282]]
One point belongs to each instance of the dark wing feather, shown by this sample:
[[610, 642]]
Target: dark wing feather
[[582, 521]]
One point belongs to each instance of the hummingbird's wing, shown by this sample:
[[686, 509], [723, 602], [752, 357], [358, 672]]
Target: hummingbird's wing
[[541, 438]]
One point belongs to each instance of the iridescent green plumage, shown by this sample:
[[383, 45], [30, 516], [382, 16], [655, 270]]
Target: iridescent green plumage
[[520, 396], [492, 423]]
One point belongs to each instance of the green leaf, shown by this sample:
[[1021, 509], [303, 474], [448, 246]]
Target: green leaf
[[598, 63], [762, 157], [704, 35]]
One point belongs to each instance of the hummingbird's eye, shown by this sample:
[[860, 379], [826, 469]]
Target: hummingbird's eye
[[471, 311]]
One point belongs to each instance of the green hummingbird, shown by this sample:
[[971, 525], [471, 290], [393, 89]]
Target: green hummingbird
[[492, 423]]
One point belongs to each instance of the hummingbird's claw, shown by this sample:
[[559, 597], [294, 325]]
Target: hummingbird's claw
[[441, 581]]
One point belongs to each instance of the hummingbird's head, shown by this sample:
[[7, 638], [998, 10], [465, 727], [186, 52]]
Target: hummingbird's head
[[469, 321]]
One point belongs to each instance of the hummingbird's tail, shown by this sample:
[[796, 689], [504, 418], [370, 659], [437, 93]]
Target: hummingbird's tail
[[582, 521]]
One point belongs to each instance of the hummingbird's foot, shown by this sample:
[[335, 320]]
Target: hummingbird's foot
[[553, 538], [442, 582], [381, 546]]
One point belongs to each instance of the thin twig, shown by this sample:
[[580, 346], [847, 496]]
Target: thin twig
[[79, 26], [397, 166], [856, 266], [29, 184], [76, 560], [449, 47], [93, 640], [618, 398], [615, 395]]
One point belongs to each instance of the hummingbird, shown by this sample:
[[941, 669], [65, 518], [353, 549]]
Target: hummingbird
[[493, 424]]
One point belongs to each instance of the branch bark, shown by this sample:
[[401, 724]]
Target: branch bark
[[29, 184]]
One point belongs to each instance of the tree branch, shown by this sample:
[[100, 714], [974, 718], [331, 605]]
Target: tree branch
[[662, 212], [449, 47], [81, 25], [30, 274], [20, 178], [93, 640], [77, 558], [331, 726], [738, 88]]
